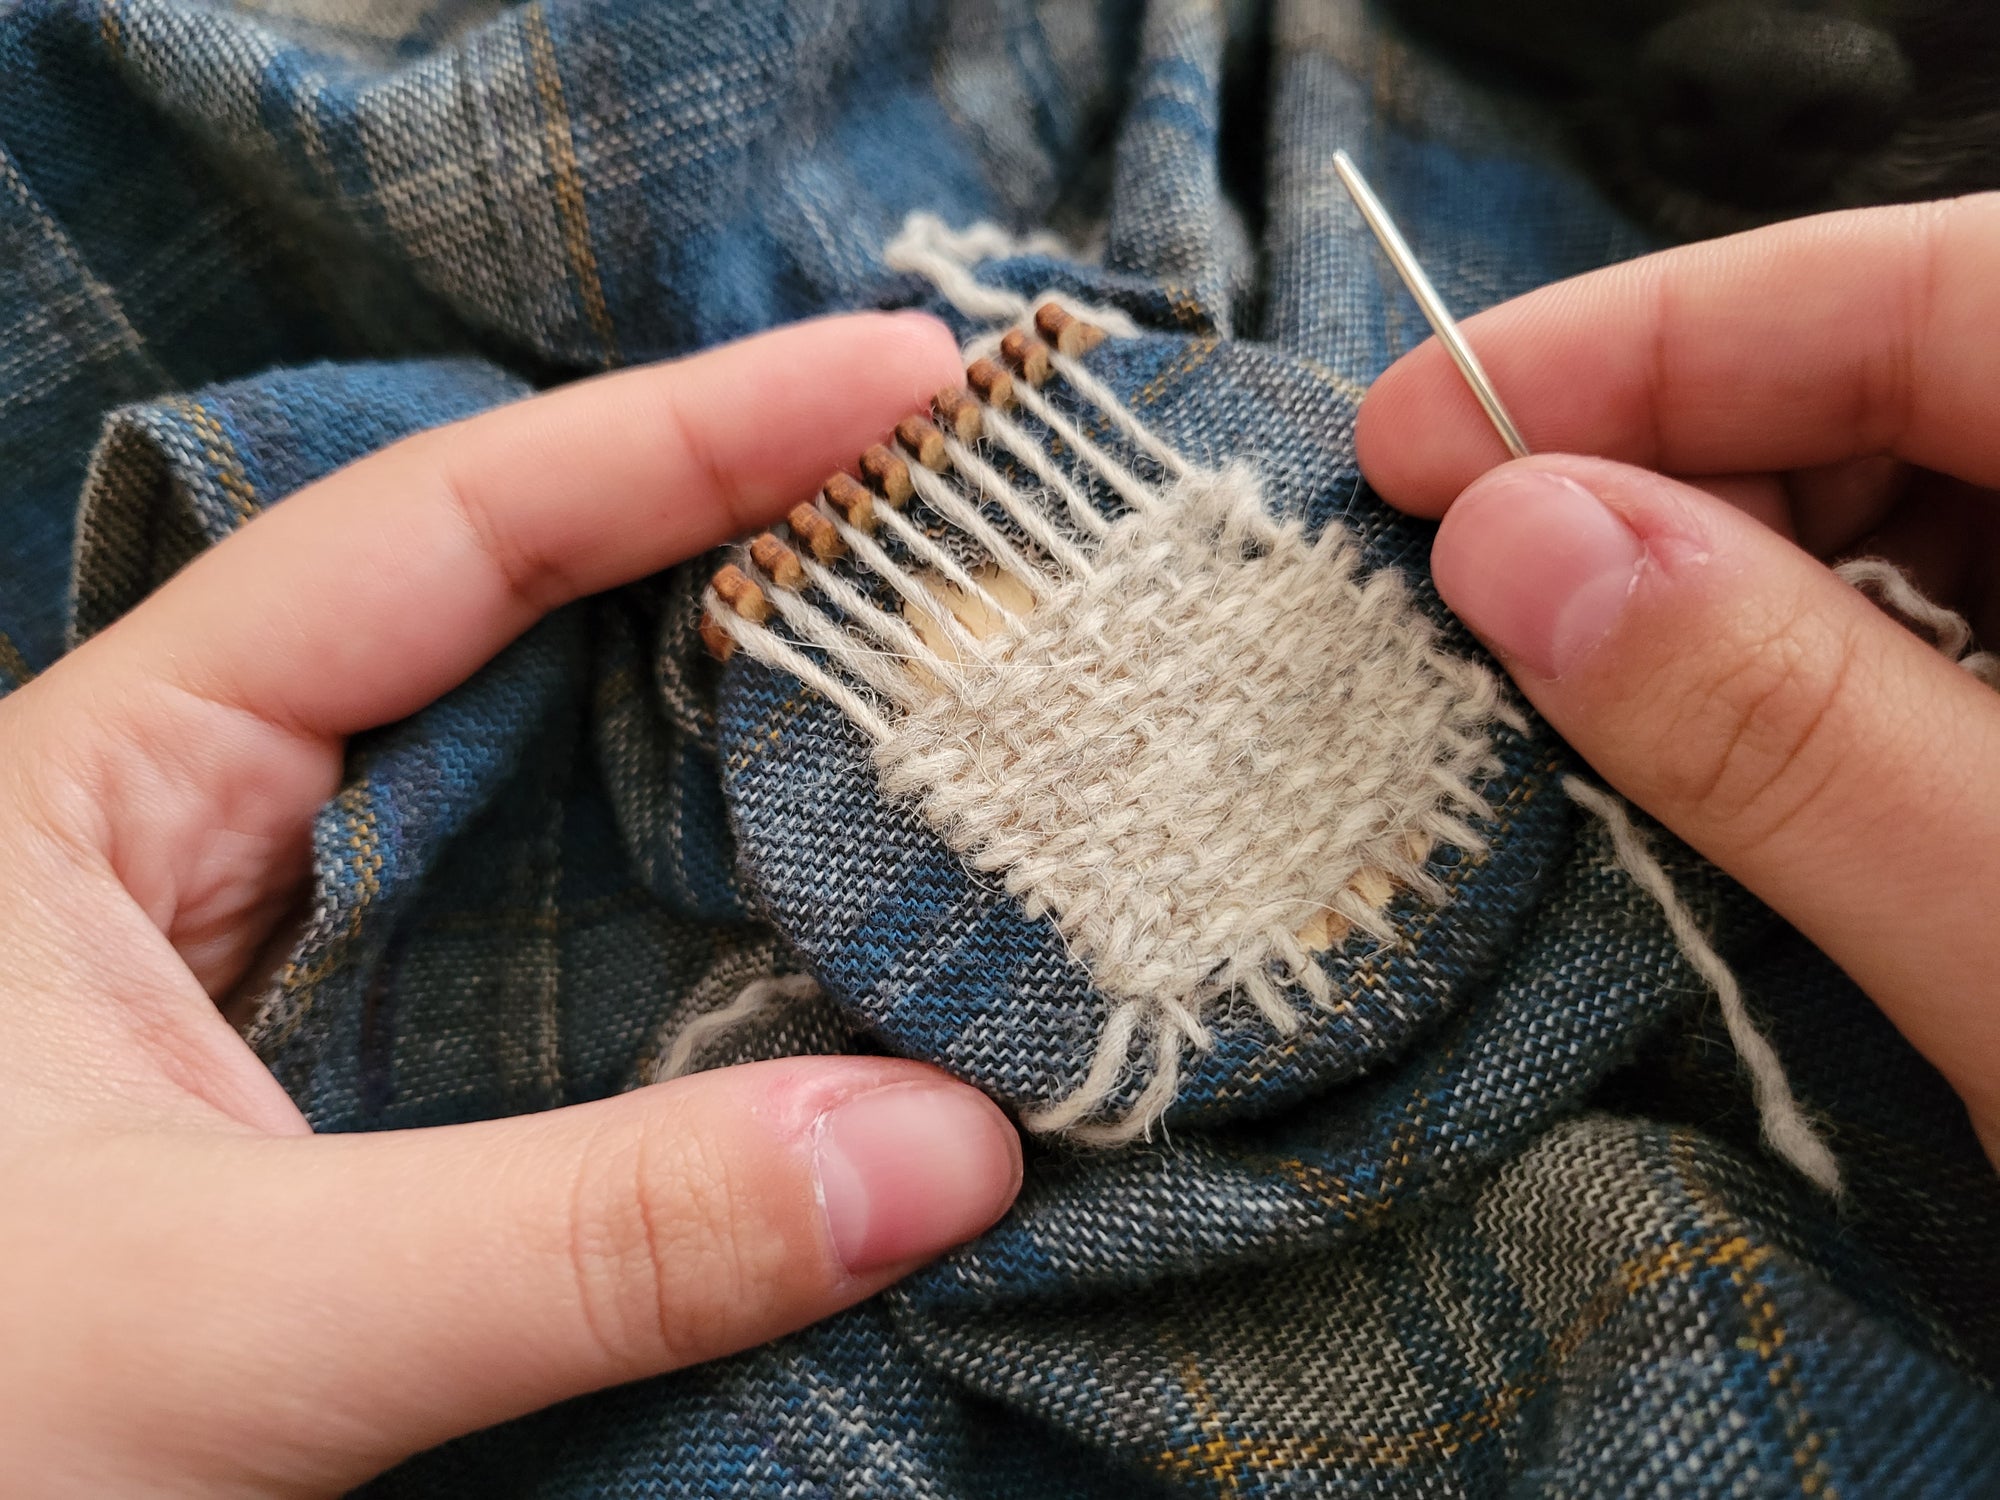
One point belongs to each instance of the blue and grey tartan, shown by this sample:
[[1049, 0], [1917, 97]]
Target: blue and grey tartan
[[1498, 1224]]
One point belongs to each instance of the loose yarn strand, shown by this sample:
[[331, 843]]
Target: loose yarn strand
[[1786, 1129], [753, 1000], [1107, 1066], [934, 556], [1890, 587], [949, 505], [897, 635], [1010, 436], [1128, 485], [928, 247], [872, 665], [1016, 506], [1120, 415], [1150, 1107]]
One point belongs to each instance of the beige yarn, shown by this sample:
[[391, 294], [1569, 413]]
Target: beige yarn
[[1187, 751], [1199, 742], [1890, 587], [1188, 736], [757, 998], [1787, 1130], [943, 256]]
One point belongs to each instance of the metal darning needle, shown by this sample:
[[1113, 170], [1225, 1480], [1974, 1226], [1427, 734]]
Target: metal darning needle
[[1435, 312]]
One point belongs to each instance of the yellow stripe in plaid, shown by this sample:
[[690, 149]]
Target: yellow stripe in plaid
[[570, 204], [220, 455], [1225, 1460]]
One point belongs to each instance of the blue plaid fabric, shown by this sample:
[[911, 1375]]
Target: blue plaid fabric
[[1498, 1224]]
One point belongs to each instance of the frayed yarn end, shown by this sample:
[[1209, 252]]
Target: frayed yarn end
[[1787, 1130], [756, 1000]]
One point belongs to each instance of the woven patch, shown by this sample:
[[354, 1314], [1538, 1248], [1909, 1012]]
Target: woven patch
[[1186, 754], [1201, 742]]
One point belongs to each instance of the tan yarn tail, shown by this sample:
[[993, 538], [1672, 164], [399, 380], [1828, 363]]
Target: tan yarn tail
[[1786, 1129]]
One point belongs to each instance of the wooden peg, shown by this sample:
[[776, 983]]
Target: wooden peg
[[995, 385], [958, 411], [1070, 335], [851, 498], [1028, 355], [922, 442], [740, 592], [888, 475], [820, 536], [720, 642], [777, 562]]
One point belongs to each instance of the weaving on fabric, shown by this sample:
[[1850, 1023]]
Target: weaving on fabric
[[1494, 1221]]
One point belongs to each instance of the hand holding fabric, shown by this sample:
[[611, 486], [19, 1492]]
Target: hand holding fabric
[[196, 1295], [1832, 380]]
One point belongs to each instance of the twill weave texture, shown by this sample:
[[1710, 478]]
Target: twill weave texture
[[1496, 1223]]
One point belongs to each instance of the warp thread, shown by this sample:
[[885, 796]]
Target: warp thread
[[1787, 1130]]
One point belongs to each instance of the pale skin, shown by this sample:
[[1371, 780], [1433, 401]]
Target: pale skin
[[198, 1297], [1836, 380]]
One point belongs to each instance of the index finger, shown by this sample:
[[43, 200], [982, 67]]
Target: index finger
[[387, 583], [1801, 344]]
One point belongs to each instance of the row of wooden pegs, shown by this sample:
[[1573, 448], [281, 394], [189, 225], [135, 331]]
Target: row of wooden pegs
[[884, 472]]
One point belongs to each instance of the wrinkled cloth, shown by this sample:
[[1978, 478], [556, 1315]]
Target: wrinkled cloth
[[1497, 1224]]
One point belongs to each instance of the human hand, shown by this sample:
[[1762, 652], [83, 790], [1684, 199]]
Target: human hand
[[196, 1295], [1834, 380]]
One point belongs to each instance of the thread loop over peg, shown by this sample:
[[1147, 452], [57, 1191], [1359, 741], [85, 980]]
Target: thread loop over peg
[[852, 500], [777, 562], [995, 385], [958, 411], [923, 442], [819, 535], [1070, 335], [1028, 355]]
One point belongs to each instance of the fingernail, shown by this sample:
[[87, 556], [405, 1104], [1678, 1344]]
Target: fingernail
[[1536, 565], [913, 1169]]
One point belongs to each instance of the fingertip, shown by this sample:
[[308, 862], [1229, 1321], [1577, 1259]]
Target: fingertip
[[777, 412], [906, 1161], [1420, 436], [1376, 428], [926, 345], [887, 364], [910, 1170], [506, 1264], [1536, 564], [1762, 709]]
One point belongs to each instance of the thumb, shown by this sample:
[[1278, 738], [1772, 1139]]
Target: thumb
[[1768, 714], [345, 1301]]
